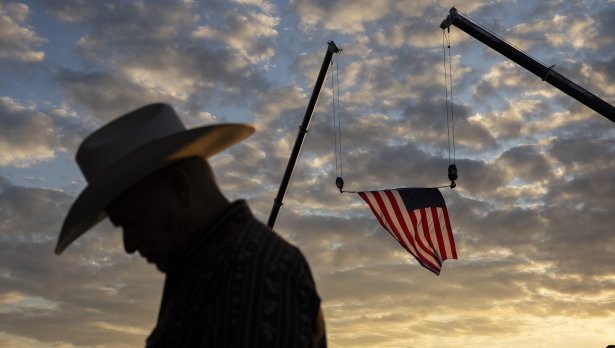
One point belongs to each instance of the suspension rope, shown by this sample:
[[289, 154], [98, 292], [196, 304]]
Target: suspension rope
[[337, 123], [450, 69], [334, 115], [339, 115], [448, 127], [337, 118], [448, 82]]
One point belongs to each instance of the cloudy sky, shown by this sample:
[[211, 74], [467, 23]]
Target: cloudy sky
[[533, 214]]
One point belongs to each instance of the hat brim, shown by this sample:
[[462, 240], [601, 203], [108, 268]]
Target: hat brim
[[89, 207]]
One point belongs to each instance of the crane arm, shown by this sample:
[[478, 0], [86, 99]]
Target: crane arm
[[303, 129], [546, 73]]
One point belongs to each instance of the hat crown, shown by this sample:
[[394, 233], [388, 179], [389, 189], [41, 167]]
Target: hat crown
[[124, 135]]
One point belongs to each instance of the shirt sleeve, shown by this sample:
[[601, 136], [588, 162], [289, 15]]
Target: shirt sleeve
[[308, 305], [290, 308]]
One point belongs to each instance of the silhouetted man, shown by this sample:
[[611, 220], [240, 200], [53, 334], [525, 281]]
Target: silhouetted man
[[230, 280]]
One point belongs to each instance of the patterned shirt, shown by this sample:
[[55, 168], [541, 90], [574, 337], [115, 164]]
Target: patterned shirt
[[238, 284]]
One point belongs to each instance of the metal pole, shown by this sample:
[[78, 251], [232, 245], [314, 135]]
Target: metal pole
[[277, 203]]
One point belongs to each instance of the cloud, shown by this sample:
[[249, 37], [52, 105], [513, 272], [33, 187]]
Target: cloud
[[560, 30], [72, 11], [184, 57], [104, 95], [25, 135], [572, 153], [132, 26], [525, 162], [81, 297], [30, 133], [250, 35], [341, 16], [18, 40]]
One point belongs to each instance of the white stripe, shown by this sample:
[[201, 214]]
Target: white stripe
[[404, 213]]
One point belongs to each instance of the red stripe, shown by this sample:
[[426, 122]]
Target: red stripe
[[401, 220], [438, 230], [451, 240], [384, 210]]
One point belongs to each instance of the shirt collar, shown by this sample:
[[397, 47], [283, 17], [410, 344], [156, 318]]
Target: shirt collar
[[212, 231]]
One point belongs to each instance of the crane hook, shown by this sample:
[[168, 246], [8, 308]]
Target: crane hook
[[452, 175], [339, 182]]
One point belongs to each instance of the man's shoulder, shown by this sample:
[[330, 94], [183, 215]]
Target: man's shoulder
[[250, 230], [262, 243]]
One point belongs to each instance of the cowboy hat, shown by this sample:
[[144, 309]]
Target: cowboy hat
[[130, 148]]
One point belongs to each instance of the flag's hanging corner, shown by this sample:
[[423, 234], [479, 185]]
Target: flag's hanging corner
[[418, 220]]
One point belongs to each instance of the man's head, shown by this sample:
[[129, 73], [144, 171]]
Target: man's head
[[128, 150], [160, 213]]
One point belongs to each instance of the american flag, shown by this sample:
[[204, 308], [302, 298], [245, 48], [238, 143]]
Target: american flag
[[417, 218]]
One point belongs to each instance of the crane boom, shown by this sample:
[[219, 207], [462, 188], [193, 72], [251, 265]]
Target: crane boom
[[303, 129], [546, 73]]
